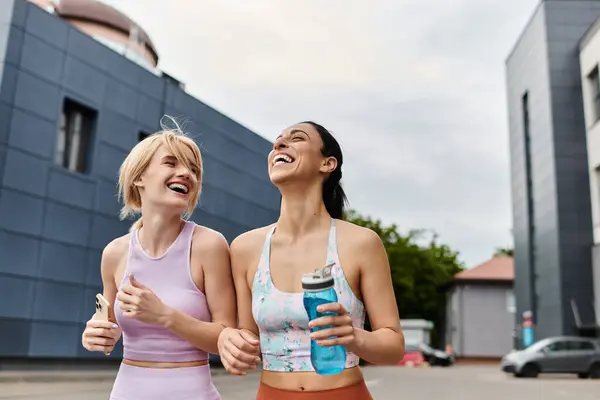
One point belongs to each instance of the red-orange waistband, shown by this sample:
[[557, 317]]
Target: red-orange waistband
[[358, 391]]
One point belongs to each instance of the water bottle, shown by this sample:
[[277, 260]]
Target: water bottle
[[318, 289]]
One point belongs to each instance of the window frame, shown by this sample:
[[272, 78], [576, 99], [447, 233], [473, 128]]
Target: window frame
[[594, 84], [511, 301], [76, 130]]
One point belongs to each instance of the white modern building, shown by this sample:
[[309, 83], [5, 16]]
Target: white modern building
[[589, 60]]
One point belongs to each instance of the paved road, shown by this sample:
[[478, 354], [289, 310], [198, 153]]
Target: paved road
[[457, 383]]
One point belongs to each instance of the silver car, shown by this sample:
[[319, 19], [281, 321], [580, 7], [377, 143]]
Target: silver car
[[563, 354]]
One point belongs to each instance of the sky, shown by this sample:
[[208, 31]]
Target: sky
[[414, 91]]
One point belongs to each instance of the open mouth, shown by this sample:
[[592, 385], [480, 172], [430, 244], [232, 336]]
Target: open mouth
[[178, 187], [282, 159]]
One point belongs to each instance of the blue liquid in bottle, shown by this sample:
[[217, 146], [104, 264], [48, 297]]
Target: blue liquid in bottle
[[318, 289]]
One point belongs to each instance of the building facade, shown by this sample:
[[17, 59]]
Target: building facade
[[480, 311], [70, 110], [589, 60], [552, 218]]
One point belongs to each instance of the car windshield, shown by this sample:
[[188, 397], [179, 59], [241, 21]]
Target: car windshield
[[426, 347], [537, 346]]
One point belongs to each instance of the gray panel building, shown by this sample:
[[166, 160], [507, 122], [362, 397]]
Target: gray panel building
[[480, 310], [552, 219], [70, 110]]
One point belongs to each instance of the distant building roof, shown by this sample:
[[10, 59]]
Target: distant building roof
[[416, 324], [95, 11], [498, 269]]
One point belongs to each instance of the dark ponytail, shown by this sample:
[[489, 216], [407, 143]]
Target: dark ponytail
[[333, 194]]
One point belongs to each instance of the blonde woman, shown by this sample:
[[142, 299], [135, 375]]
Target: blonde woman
[[169, 279]]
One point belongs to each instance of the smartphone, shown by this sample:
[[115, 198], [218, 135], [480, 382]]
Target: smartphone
[[104, 310]]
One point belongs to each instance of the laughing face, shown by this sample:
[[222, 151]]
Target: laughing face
[[168, 181], [297, 154]]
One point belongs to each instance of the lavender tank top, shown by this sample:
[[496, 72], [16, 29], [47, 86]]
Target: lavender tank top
[[169, 276]]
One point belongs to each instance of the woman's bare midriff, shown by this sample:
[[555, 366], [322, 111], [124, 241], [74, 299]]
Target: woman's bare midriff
[[154, 364], [311, 381]]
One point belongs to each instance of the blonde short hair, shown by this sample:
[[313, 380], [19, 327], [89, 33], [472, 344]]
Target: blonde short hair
[[137, 161]]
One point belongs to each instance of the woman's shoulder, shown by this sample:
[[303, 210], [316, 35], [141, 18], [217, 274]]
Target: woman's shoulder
[[205, 238], [250, 241], [358, 237], [359, 246], [114, 252], [358, 240], [117, 247]]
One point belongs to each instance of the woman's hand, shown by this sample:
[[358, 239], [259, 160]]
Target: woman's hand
[[100, 336], [239, 350], [340, 331], [139, 302]]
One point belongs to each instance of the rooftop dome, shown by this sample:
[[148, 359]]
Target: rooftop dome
[[104, 23]]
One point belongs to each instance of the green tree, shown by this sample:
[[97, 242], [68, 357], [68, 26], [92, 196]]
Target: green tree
[[504, 251], [420, 267]]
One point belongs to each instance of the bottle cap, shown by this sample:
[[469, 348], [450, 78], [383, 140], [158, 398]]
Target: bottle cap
[[319, 280]]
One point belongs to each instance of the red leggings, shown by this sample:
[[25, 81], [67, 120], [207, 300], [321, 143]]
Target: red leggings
[[357, 391]]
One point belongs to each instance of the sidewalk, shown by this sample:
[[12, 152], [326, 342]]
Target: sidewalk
[[69, 376]]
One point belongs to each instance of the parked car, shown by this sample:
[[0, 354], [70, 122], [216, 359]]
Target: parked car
[[436, 357], [412, 356], [562, 354]]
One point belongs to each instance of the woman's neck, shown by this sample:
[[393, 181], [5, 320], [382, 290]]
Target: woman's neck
[[302, 212], [158, 233]]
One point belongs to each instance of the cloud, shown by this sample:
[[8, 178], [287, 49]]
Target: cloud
[[413, 89]]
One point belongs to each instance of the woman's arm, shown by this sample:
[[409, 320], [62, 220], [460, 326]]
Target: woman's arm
[[242, 255], [111, 257], [385, 344], [240, 348], [213, 250], [103, 335]]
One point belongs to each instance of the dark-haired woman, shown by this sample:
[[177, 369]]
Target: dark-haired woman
[[305, 165]]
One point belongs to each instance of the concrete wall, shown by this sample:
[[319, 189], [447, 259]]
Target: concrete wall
[[551, 199], [54, 222], [480, 320]]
